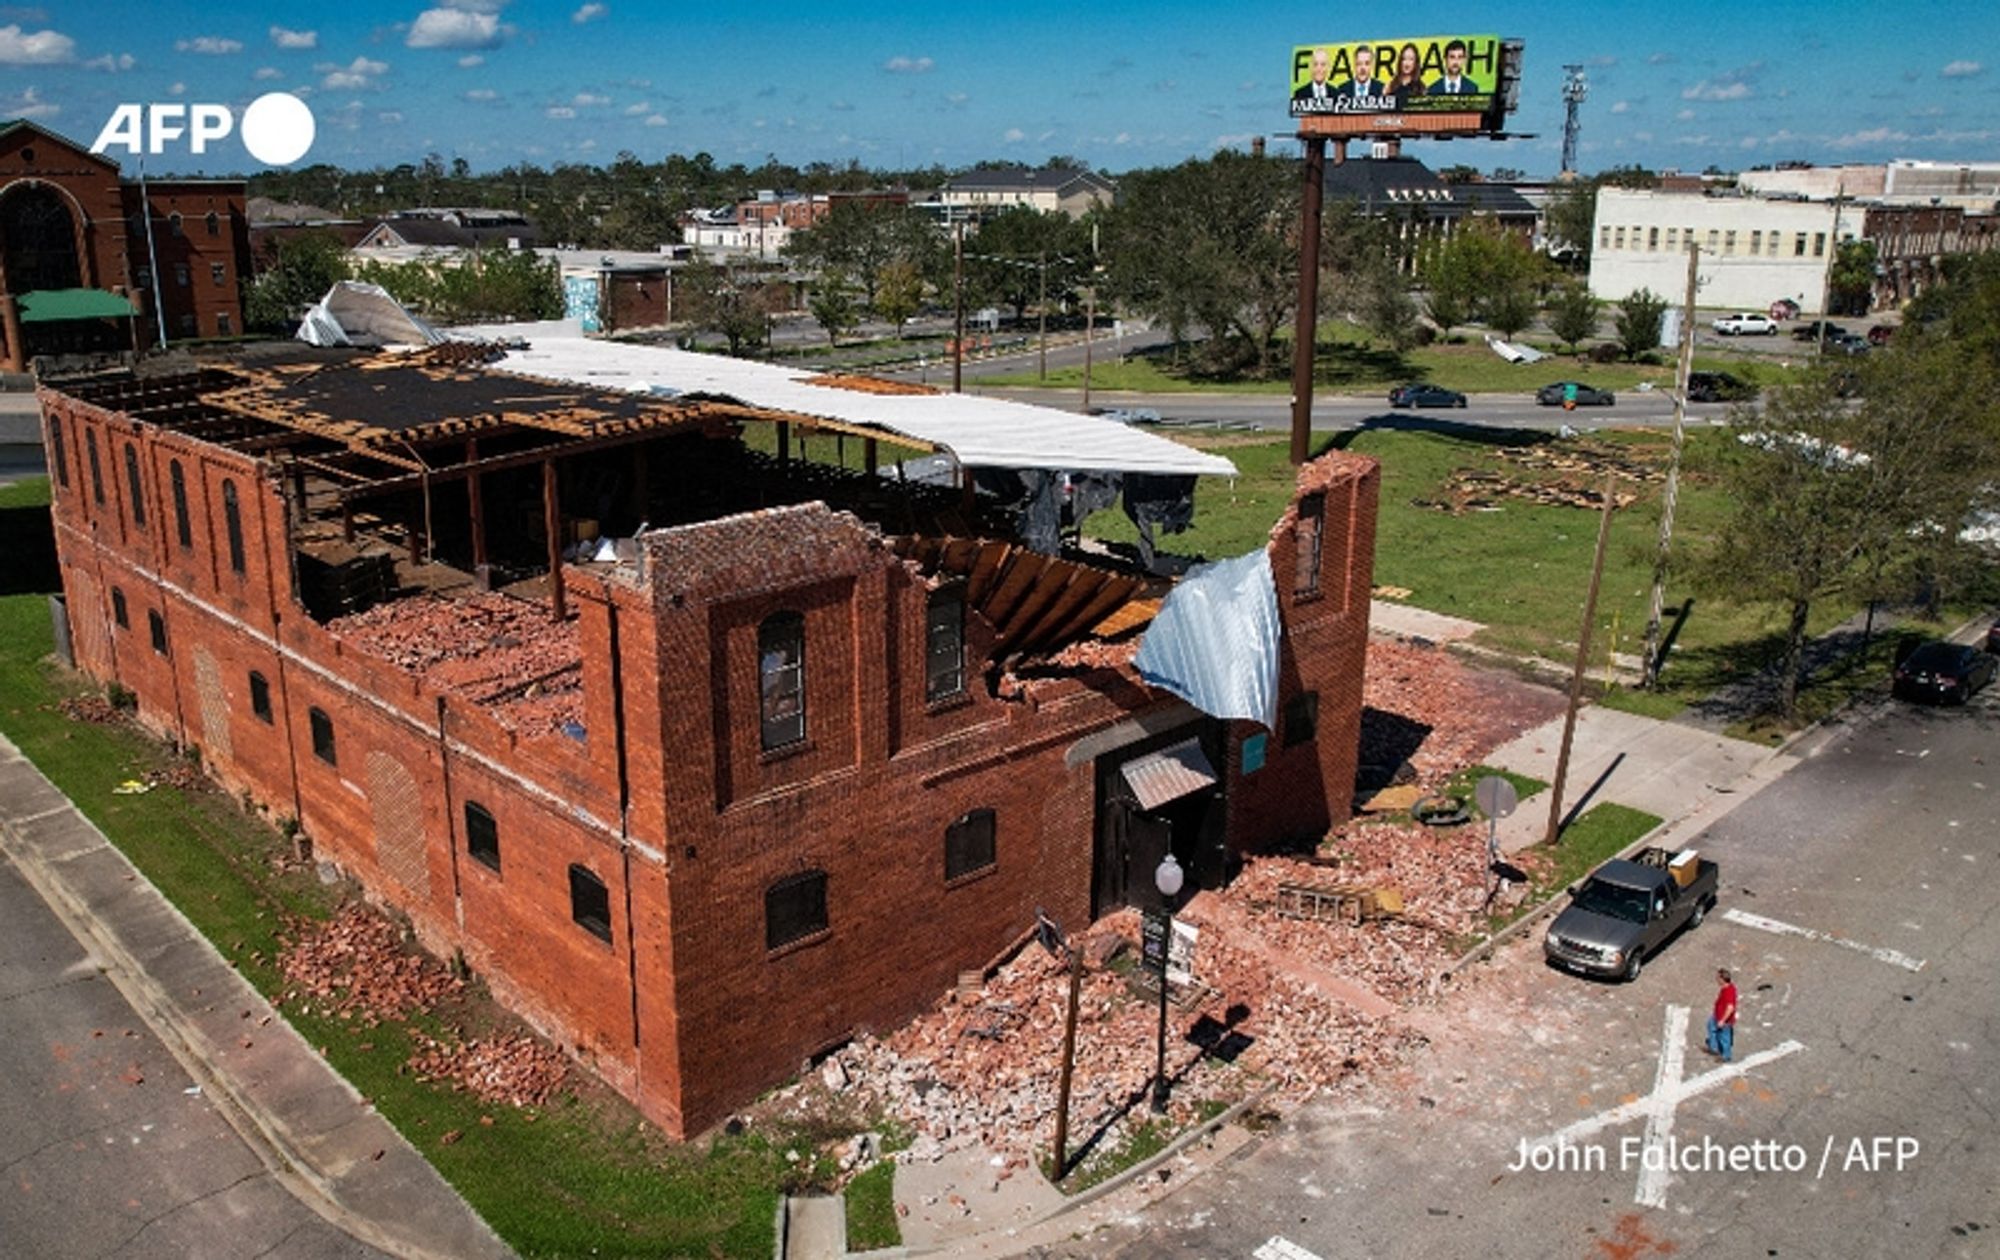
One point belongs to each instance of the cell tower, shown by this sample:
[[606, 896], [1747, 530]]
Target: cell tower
[[1575, 88]]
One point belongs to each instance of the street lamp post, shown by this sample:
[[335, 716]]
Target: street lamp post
[[1167, 878]]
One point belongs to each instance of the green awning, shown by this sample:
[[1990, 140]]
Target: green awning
[[48, 306]]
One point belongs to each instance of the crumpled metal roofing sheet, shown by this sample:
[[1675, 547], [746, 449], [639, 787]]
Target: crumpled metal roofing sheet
[[1169, 774], [980, 432], [1214, 642]]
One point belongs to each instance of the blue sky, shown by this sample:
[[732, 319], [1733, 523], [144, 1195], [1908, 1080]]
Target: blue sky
[[890, 83]]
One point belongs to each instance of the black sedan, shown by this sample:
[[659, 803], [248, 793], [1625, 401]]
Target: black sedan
[[1560, 393], [1425, 396], [1718, 387], [1945, 672]]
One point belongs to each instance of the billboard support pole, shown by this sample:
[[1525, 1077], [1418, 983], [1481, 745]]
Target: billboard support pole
[[1306, 327]]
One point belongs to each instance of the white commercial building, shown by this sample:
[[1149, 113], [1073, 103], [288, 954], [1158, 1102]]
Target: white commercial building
[[1753, 251], [1971, 186]]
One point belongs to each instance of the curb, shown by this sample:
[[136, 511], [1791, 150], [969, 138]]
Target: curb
[[266, 1138], [1083, 1198]]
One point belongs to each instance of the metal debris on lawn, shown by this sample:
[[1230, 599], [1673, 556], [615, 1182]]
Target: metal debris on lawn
[[511, 1068]]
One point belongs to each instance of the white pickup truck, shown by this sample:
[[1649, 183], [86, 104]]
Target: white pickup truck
[[1747, 324]]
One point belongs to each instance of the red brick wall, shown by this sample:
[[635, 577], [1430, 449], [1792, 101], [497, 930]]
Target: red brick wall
[[203, 306], [634, 300], [91, 187]]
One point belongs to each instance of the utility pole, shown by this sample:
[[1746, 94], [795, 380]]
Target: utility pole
[[1582, 659], [958, 305], [1651, 677], [1576, 86], [1042, 305], [1089, 317], [1305, 324], [1826, 284]]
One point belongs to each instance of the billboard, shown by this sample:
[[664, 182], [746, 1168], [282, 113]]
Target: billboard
[[1427, 84]]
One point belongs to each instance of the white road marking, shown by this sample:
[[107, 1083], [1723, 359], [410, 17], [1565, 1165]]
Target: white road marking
[[1658, 1107], [1894, 957], [1282, 1248], [1653, 1175]]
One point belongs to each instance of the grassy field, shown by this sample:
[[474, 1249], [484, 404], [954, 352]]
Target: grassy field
[[584, 1176], [1348, 363]]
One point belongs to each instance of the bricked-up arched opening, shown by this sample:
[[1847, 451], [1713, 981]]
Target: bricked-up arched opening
[[40, 236]]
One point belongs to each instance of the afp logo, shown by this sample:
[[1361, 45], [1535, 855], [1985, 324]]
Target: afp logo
[[277, 128]]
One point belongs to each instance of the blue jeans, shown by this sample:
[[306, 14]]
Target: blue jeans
[[1721, 1038]]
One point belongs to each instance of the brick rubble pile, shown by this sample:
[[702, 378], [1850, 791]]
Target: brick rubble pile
[[511, 1068]]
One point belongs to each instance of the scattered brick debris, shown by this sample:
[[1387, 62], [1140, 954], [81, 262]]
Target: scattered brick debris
[[868, 384], [505, 653], [1426, 706], [94, 709], [355, 965], [510, 1068]]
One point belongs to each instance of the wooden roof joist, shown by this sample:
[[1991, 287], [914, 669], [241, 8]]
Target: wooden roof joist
[[518, 459], [818, 424], [1034, 602]]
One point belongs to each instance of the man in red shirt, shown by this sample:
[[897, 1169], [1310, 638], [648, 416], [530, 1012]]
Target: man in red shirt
[[1722, 1024]]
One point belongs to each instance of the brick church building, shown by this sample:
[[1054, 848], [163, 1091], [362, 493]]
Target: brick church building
[[77, 263], [708, 744]]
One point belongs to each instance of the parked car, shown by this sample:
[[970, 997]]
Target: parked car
[[1810, 331], [1421, 395], [1880, 334], [1127, 415], [1784, 308], [1627, 910], [1718, 387], [1585, 395], [1848, 343], [1949, 673], [1747, 324], [1993, 637]]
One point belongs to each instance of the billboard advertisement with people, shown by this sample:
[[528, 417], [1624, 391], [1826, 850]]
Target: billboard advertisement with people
[[1406, 78]]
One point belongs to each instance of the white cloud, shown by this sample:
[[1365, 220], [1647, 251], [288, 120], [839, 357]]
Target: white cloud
[[1872, 136], [391, 116], [956, 99], [656, 120], [476, 6], [294, 39], [454, 28], [588, 100], [1661, 59], [39, 48], [1621, 107], [1962, 69], [635, 110], [29, 104], [909, 65], [111, 64], [482, 94], [1684, 116], [265, 73], [471, 61], [360, 73], [177, 89], [589, 12], [1718, 90], [560, 111], [209, 45]]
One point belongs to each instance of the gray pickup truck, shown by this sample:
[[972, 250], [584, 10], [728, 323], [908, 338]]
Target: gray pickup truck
[[1628, 909]]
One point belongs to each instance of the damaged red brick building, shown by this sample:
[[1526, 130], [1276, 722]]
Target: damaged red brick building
[[707, 736]]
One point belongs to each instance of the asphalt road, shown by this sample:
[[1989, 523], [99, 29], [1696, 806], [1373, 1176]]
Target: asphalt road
[[1879, 1082], [107, 1147]]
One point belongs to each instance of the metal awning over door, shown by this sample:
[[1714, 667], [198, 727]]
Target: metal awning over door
[[1169, 774]]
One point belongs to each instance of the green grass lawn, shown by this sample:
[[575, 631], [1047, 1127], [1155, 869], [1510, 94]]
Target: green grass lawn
[[584, 1176], [1602, 831]]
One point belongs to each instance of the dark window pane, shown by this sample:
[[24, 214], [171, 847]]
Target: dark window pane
[[133, 479], [232, 523], [589, 902], [96, 469], [968, 844], [260, 697], [482, 839], [61, 451], [794, 908], [178, 481], [944, 644], [118, 611], [156, 626], [781, 670], [1301, 718], [1311, 527], [322, 736]]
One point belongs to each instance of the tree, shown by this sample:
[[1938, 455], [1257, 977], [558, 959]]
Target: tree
[[1573, 314], [1020, 250], [1387, 310], [1511, 308], [899, 291], [833, 305], [1568, 220], [1638, 322], [305, 268], [1852, 281], [861, 238], [716, 300], [1483, 272]]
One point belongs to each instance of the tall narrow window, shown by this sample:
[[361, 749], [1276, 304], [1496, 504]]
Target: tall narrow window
[[1652, 238], [214, 222], [322, 736], [482, 836], [156, 625], [1819, 244], [96, 469], [232, 524], [61, 451], [781, 669], [589, 902], [178, 482], [119, 612], [218, 273], [174, 223], [1307, 537], [968, 844], [260, 697], [944, 644], [794, 909], [1301, 718], [138, 486]]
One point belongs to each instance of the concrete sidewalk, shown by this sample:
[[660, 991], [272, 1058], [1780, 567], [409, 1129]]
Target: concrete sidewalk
[[315, 1133]]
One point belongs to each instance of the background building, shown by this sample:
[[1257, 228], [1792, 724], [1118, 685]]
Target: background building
[[1753, 251], [989, 190]]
